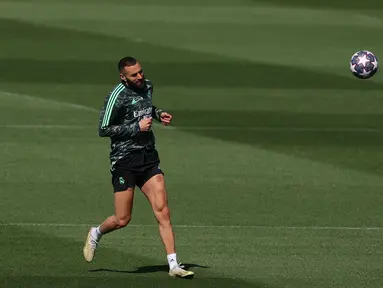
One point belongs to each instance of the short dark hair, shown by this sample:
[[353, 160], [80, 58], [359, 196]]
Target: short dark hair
[[126, 62]]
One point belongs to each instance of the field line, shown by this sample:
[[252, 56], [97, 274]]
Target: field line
[[46, 126], [6, 94], [277, 129], [185, 128], [199, 128], [202, 226]]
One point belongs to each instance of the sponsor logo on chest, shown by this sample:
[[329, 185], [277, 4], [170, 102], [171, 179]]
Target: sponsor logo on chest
[[142, 112]]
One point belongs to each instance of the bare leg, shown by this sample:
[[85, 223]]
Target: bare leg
[[155, 191], [123, 205]]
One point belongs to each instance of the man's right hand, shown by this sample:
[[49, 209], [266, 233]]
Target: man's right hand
[[145, 124]]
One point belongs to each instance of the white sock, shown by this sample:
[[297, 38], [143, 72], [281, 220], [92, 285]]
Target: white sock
[[172, 260], [96, 234]]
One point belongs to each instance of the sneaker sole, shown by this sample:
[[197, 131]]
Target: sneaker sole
[[189, 276], [85, 250]]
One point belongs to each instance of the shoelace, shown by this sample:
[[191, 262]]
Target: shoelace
[[93, 242]]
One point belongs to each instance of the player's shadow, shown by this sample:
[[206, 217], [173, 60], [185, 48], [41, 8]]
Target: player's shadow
[[147, 269]]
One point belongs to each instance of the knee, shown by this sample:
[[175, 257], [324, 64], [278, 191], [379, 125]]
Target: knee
[[163, 214], [122, 222]]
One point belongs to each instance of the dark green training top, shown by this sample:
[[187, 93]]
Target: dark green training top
[[123, 108]]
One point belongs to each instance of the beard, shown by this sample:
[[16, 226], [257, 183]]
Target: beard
[[138, 84]]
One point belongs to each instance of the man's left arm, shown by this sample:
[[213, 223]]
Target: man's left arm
[[161, 116], [156, 113]]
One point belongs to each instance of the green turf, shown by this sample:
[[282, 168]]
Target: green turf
[[273, 141]]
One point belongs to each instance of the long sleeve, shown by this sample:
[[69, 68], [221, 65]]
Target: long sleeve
[[114, 131], [156, 113], [109, 115]]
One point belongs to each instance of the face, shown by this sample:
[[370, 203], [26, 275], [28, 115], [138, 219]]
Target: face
[[133, 75]]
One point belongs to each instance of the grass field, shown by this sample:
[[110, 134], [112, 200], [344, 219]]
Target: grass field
[[273, 165]]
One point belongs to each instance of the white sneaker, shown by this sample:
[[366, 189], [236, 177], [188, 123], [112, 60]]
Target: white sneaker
[[90, 246], [178, 271]]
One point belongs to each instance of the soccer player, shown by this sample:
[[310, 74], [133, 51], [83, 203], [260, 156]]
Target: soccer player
[[126, 118]]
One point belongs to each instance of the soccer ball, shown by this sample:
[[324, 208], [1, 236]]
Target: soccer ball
[[364, 64]]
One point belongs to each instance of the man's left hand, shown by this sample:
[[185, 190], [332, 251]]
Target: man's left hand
[[166, 118]]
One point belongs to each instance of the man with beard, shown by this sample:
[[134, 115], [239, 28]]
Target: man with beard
[[126, 118]]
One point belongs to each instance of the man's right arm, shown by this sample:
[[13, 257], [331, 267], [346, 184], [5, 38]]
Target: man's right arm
[[109, 114]]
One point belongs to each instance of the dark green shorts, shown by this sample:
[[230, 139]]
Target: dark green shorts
[[135, 170], [124, 179]]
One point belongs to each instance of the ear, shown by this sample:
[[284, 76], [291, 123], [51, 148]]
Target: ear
[[123, 78]]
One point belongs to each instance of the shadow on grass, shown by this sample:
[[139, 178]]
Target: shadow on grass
[[147, 269]]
